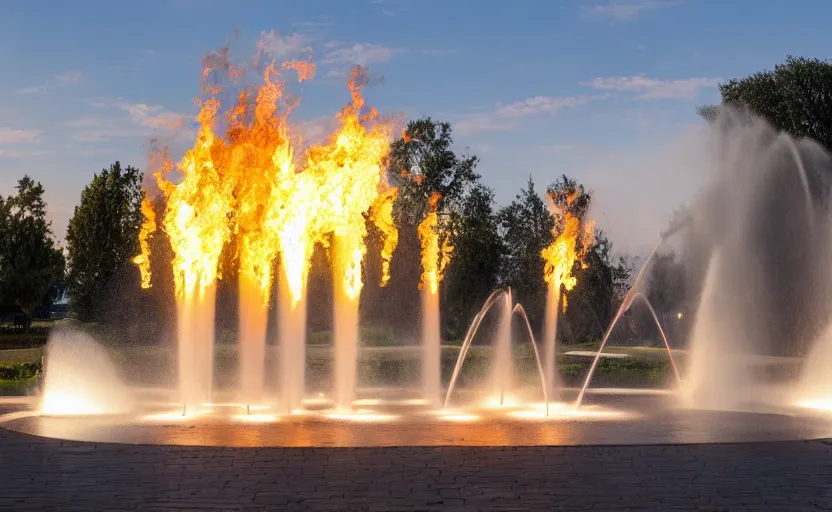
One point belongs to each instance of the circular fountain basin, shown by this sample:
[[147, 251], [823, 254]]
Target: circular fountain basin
[[609, 416]]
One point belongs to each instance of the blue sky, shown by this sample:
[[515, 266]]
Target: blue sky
[[600, 90]]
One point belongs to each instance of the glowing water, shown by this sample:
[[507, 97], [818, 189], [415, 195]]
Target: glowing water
[[718, 375], [503, 364], [195, 326], [628, 302], [431, 347], [80, 378], [550, 334], [291, 325], [469, 338], [345, 324], [252, 344]]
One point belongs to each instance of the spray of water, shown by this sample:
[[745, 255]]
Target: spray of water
[[80, 378]]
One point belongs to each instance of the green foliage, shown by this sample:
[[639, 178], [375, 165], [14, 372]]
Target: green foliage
[[102, 236], [473, 272], [30, 261], [421, 164], [526, 229], [19, 371], [666, 284], [425, 163], [795, 97]]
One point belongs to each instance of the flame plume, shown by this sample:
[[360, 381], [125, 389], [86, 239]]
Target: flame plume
[[381, 216], [435, 253], [560, 256], [147, 228], [244, 185]]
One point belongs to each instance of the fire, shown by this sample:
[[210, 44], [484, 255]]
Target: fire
[[147, 228], [246, 185], [351, 178], [260, 159], [561, 255], [381, 215], [436, 253], [198, 208]]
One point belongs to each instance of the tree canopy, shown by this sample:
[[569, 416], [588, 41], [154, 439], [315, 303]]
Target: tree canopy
[[102, 236], [795, 97], [30, 260]]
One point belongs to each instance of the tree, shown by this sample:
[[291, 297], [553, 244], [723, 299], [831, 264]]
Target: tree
[[30, 261], [102, 237], [601, 285], [421, 163], [473, 272], [600, 279], [526, 228], [796, 97]]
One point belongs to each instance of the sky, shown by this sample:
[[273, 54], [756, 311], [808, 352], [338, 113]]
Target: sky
[[602, 91]]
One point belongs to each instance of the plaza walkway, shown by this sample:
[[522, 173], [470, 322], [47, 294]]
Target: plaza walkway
[[42, 474]]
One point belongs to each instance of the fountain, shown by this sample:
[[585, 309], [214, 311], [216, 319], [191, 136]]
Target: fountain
[[502, 363], [246, 187], [434, 258], [765, 272], [80, 378]]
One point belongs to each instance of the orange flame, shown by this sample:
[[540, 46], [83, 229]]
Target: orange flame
[[245, 184], [351, 178], [147, 228], [561, 255], [435, 253], [381, 216], [257, 150]]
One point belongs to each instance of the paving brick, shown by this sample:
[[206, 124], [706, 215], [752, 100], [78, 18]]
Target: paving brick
[[44, 474]]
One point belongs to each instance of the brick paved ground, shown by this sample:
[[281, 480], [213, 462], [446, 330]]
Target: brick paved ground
[[43, 474]]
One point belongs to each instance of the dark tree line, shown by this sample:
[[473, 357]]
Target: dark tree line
[[492, 247]]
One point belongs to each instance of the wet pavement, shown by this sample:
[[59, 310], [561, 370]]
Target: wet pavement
[[46, 474], [620, 453]]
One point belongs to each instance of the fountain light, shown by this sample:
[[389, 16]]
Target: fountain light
[[457, 416], [498, 402], [820, 404], [175, 416], [361, 416], [256, 418], [562, 411], [59, 403]]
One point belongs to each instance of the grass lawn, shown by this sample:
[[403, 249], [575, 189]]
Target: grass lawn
[[21, 355], [378, 366]]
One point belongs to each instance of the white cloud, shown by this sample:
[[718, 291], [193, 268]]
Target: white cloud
[[620, 11], [12, 136], [504, 117], [152, 116], [59, 80], [143, 120], [363, 54], [279, 47], [12, 153], [652, 89]]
